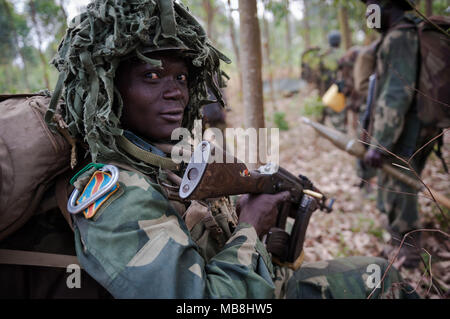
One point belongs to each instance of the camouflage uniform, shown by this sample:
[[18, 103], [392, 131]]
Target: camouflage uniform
[[138, 245], [346, 80], [310, 66], [395, 123], [328, 67], [364, 66], [329, 72], [320, 69]]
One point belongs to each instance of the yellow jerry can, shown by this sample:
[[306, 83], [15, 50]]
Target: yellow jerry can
[[334, 99]]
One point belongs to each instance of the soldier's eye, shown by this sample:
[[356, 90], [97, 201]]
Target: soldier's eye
[[151, 75], [182, 77]]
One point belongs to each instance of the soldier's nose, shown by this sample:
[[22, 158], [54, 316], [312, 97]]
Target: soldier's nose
[[172, 91]]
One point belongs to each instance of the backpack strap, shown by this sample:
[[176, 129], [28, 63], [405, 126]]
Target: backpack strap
[[146, 156], [32, 258], [62, 196], [404, 26]]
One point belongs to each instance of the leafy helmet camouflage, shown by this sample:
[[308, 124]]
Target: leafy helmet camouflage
[[334, 38], [97, 41]]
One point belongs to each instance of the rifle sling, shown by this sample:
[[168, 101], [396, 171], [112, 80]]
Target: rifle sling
[[145, 156]]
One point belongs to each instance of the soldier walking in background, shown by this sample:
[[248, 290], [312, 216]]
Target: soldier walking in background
[[396, 126]]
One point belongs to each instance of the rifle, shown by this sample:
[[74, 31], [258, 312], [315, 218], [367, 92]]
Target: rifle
[[206, 179], [357, 149], [368, 112]]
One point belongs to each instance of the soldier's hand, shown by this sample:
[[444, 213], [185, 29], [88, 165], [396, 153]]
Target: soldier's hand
[[261, 210], [373, 158]]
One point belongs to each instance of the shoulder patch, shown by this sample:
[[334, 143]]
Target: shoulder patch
[[99, 180]]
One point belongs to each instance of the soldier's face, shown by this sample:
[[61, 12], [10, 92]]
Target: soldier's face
[[154, 97]]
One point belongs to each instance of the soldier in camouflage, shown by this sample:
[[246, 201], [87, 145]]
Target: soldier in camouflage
[[140, 240], [329, 74], [309, 70], [319, 67], [365, 65], [396, 127], [345, 78]]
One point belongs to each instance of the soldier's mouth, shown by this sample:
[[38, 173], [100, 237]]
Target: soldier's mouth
[[175, 115]]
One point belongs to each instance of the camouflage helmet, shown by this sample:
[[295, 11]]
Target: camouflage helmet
[[96, 42], [334, 38]]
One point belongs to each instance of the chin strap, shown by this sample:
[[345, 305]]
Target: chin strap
[[145, 152]]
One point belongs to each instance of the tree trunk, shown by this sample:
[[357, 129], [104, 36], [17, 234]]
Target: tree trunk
[[344, 27], [266, 49], [232, 29], [306, 26], [41, 54], [429, 8], [16, 43], [323, 22], [234, 44], [62, 3], [210, 12], [288, 35], [251, 66]]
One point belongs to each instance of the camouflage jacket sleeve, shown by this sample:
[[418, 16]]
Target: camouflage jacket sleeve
[[138, 246], [397, 68]]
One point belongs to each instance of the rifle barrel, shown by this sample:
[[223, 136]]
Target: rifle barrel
[[354, 147]]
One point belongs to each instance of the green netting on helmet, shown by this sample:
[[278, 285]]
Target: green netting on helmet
[[91, 50]]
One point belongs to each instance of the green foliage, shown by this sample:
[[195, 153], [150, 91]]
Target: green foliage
[[50, 21], [365, 224], [7, 46], [47, 13], [442, 219], [313, 106], [278, 10], [280, 121], [344, 250], [20, 62]]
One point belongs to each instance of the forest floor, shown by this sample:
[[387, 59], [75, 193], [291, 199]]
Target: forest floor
[[354, 227]]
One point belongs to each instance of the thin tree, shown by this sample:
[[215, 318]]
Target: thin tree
[[288, 34], [210, 12], [250, 52], [7, 8], [429, 8], [306, 26], [267, 50], [33, 14], [234, 42], [344, 27]]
